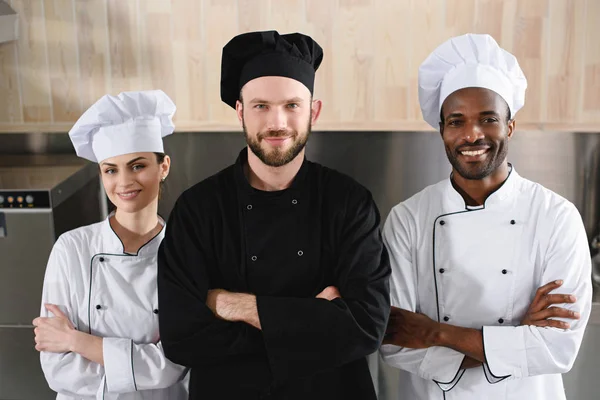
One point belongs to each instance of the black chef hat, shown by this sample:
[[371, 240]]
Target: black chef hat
[[255, 54]]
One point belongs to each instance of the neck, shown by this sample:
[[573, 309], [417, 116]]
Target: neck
[[263, 177], [135, 229], [475, 192]]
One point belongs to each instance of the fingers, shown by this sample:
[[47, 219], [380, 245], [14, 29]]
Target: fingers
[[55, 310], [329, 293], [551, 299], [551, 323], [544, 290], [555, 312]]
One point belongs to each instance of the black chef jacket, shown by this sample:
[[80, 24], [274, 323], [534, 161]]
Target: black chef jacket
[[284, 247]]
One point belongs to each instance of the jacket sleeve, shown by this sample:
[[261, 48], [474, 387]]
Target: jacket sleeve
[[439, 364], [66, 373], [130, 367], [306, 335], [522, 351], [191, 334]]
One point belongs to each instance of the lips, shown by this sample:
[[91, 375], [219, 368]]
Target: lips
[[473, 152], [129, 195]]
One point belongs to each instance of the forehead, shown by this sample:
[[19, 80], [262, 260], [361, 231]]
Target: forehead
[[473, 101], [274, 88], [125, 158]]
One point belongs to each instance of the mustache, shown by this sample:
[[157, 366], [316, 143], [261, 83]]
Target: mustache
[[277, 133], [479, 143]]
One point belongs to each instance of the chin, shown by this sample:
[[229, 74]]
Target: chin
[[131, 206]]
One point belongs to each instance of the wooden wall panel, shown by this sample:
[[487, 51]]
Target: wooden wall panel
[[71, 52], [32, 50]]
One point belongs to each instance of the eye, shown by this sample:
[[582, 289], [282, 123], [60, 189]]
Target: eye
[[454, 122], [137, 167], [260, 106], [293, 105], [490, 120], [110, 171]]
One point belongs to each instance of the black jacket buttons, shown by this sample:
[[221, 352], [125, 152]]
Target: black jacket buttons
[[101, 259], [98, 306], [442, 222]]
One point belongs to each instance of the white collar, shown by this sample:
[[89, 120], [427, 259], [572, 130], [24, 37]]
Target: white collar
[[112, 243]]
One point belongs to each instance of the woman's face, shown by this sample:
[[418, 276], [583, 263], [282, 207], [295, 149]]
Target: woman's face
[[132, 181]]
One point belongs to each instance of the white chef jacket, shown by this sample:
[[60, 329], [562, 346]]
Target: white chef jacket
[[111, 294], [480, 268]]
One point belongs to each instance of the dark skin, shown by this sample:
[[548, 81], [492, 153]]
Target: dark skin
[[476, 129]]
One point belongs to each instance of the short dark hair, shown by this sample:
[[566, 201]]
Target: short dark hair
[[508, 116]]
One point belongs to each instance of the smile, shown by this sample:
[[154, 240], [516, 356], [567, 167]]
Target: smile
[[128, 195], [473, 153]]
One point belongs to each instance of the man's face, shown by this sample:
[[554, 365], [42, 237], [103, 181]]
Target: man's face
[[476, 131], [277, 114]]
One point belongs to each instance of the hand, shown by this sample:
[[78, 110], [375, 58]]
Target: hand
[[411, 330], [329, 293], [53, 334], [540, 310]]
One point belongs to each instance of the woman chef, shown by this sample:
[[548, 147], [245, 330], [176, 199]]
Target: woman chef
[[98, 331]]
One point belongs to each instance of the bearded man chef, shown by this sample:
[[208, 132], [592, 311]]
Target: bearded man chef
[[478, 258], [273, 278]]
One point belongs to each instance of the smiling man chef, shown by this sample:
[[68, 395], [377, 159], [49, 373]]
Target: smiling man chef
[[479, 258]]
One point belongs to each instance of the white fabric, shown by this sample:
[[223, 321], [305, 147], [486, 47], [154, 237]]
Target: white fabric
[[87, 267], [473, 247], [471, 60], [131, 122]]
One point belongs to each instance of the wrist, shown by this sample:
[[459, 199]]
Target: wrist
[[74, 340], [443, 336], [242, 303]]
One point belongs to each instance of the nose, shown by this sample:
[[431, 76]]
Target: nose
[[472, 133], [124, 180], [277, 120]]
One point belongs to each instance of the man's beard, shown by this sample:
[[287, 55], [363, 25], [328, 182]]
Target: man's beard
[[476, 171], [277, 157]]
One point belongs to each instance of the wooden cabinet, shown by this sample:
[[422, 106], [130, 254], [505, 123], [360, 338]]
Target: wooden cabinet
[[71, 52]]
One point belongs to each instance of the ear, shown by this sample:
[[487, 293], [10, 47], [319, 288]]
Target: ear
[[165, 167], [316, 107], [511, 128], [441, 128], [239, 109]]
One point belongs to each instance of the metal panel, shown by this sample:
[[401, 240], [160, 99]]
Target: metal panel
[[21, 377], [24, 253], [394, 166]]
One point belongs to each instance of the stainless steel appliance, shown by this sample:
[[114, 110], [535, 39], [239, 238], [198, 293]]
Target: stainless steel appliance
[[41, 196], [394, 166]]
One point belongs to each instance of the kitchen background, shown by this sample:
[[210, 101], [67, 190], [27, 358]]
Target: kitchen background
[[58, 56]]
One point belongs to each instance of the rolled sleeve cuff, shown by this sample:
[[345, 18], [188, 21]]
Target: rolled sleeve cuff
[[505, 354], [442, 365], [118, 365]]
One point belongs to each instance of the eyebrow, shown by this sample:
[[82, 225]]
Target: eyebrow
[[258, 100], [483, 113], [129, 163]]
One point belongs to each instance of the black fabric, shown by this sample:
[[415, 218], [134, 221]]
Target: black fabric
[[323, 230], [252, 55]]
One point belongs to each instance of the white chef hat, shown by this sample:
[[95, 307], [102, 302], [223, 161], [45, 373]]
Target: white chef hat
[[469, 60], [128, 123]]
